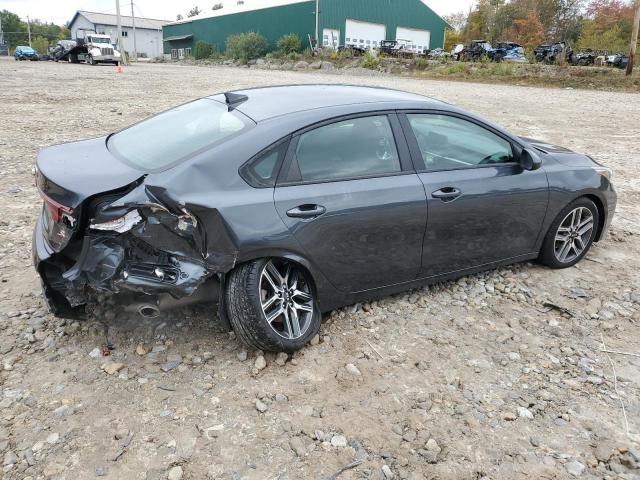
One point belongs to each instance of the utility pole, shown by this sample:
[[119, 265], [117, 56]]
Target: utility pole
[[317, 23], [29, 29], [133, 22], [1, 33], [119, 30], [634, 40]]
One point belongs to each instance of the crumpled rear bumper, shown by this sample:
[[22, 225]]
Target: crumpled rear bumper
[[164, 254]]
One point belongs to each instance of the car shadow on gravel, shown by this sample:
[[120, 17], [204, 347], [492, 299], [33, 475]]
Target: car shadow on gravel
[[114, 328]]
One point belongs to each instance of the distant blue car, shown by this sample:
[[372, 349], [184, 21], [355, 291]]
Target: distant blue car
[[25, 53]]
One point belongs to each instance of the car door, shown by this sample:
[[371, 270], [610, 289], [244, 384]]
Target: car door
[[350, 196], [484, 206]]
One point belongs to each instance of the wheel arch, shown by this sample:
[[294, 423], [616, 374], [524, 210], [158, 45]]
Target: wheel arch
[[321, 287], [601, 213]]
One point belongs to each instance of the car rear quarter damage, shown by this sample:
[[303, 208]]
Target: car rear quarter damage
[[141, 241]]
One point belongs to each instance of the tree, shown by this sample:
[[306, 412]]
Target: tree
[[217, 6], [481, 23], [457, 21], [194, 11], [40, 45], [567, 20], [608, 25], [528, 32], [12, 23], [179, 17], [452, 39]]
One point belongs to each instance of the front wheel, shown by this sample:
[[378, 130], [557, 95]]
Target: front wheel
[[571, 234], [272, 306]]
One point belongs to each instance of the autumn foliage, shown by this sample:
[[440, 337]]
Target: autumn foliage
[[527, 31], [598, 24]]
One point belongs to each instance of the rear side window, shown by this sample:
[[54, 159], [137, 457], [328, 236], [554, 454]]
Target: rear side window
[[359, 147], [175, 135], [262, 170], [448, 143]]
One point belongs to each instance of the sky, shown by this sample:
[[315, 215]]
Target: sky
[[61, 11]]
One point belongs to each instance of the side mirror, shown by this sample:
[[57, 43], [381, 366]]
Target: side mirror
[[530, 160]]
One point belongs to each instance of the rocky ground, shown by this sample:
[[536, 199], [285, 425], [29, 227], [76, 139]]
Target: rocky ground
[[466, 380]]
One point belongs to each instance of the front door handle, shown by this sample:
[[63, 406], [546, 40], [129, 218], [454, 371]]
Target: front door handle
[[306, 211], [447, 194]]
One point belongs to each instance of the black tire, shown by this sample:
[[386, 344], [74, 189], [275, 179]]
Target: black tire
[[549, 254], [247, 318]]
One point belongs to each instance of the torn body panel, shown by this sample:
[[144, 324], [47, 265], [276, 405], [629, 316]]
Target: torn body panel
[[142, 242]]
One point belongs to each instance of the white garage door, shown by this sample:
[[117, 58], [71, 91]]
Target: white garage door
[[417, 40], [364, 34]]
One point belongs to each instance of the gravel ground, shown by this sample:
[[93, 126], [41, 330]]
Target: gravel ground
[[464, 380]]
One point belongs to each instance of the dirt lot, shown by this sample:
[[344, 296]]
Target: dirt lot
[[472, 379]]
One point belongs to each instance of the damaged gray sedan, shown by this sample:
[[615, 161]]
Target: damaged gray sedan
[[281, 203]]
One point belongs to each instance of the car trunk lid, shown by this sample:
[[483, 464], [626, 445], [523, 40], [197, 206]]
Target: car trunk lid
[[72, 172]]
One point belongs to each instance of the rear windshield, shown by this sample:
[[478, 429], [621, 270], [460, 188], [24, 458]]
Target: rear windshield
[[175, 135]]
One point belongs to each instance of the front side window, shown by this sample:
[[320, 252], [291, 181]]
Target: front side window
[[176, 135], [359, 147], [448, 143]]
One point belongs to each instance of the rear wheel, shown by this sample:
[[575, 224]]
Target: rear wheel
[[571, 234], [272, 306]]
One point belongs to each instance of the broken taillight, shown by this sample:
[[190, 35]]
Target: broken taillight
[[56, 210]]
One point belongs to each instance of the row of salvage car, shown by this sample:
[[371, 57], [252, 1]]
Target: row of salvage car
[[481, 49], [560, 51], [550, 53]]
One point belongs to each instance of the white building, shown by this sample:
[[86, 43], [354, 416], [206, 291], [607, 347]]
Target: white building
[[148, 31]]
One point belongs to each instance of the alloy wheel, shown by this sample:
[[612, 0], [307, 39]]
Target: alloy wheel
[[286, 299], [573, 235]]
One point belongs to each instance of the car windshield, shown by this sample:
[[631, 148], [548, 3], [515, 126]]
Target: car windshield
[[175, 135], [99, 40]]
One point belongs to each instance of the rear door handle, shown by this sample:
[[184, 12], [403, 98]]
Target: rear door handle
[[446, 194], [306, 211]]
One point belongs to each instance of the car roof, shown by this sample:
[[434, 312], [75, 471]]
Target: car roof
[[267, 102]]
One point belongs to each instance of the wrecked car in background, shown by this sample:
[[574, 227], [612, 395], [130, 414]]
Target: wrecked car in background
[[61, 49], [585, 58], [508, 52], [476, 51], [551, 53], [285, 202], [25, 53], [619, 60]]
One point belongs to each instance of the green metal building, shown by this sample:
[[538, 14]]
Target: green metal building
[[362, 23]]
